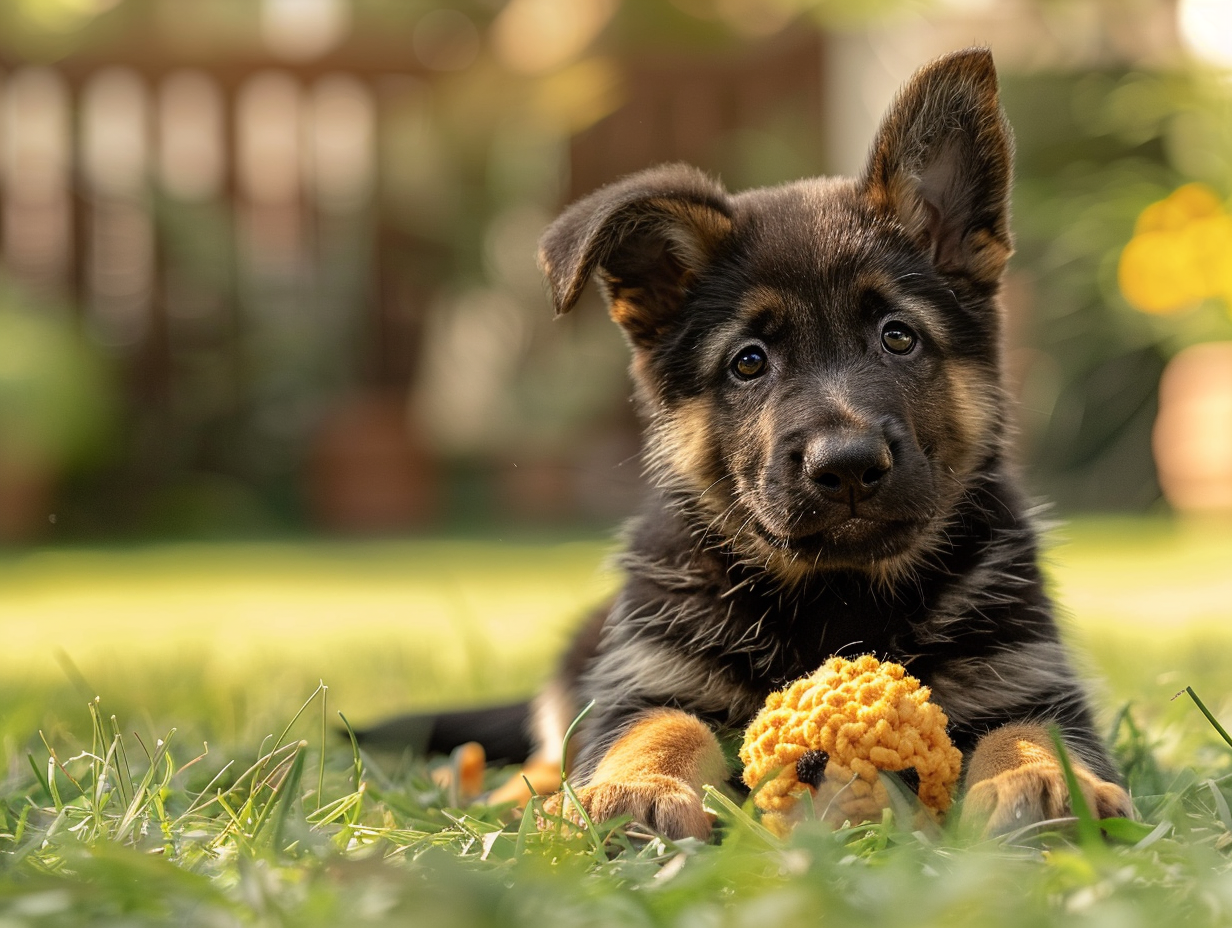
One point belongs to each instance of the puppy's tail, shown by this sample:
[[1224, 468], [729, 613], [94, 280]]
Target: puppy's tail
[[503, 730]]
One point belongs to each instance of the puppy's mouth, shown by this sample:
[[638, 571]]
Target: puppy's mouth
[[849, 542]]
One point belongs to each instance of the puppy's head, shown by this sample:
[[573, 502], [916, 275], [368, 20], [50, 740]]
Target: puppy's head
[[818, 362]]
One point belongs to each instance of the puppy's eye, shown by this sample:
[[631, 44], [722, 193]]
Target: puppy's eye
[[749, 363], [896, 338]]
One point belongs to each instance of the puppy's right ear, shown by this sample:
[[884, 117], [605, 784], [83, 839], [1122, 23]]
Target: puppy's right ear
[[647, 236], [941, 165]]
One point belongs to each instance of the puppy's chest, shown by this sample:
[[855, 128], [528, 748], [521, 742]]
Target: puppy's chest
[[768, 638]]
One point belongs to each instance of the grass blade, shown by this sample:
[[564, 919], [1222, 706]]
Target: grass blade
[[596, 841], [722, 806], [124, 773], [324, 736], [294, 764], [1089, 834], [1127, 831], [358, 760], [288, 792], [1209, 717], [532, 812], [564, 747], [291, 724], [39, 775], [567, 788], [1221, 804]]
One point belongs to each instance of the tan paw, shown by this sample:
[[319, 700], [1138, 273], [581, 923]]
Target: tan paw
[[1035, 793], [666, 804]]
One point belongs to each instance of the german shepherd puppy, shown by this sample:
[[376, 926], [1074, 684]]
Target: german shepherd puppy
[[819, 366]]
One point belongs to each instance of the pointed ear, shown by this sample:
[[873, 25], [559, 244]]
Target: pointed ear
[[647, 237], [941, 165]]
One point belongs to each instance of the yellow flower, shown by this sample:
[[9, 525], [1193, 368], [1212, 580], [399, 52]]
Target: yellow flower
[[1181, 252]]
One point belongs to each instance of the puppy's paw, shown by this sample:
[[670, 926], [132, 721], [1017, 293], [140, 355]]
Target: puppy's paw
[[1016, 780], [666, 804], [1020, 797]]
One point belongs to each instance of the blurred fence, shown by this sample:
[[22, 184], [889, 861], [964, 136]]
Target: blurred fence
[[218, 231], [250, 242]]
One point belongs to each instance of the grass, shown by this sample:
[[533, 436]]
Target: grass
[[114, 811], [237, 635]]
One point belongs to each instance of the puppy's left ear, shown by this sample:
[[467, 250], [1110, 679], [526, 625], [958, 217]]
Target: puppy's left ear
[[941, 165]]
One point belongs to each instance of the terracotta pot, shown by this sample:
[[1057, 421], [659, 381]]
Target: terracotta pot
[[367, 471], [26, 492]]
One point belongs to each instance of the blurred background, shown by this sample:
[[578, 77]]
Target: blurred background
[[267, 272], [268, 264]]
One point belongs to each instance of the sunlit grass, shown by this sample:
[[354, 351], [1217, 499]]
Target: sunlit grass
[[391, 624], [1148, 605], [1145, 574], [388, 625], [136, 821]]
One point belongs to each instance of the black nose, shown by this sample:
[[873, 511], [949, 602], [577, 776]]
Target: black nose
[[848, 466]]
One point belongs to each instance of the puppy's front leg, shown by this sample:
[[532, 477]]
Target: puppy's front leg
[[654, 772], [1015, 779]]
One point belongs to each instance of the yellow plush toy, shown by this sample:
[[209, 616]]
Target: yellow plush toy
[[832, 732]]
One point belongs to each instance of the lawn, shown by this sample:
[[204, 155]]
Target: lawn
[[219, 637], [120, 665]]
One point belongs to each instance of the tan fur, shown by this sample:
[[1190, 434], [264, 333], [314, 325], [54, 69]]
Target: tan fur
[[464, 775], [551, 713], [696, 232], [972, 395], [685, 218], [629, 307], [655, 772], [1015, 778], [687, 442], [759, 299], [692, 234], [986, 254]]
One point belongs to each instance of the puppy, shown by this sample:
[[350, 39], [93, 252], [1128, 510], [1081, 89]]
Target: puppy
[[819, 367]]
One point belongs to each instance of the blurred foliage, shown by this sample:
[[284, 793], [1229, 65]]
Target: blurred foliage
[[57, 394], [1094, 151]]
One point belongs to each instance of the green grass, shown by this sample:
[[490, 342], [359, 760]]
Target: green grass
[[229, 639], [125, 821]]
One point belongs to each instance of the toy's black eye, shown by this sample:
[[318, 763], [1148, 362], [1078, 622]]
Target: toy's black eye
[[749, 363], [897, 338]]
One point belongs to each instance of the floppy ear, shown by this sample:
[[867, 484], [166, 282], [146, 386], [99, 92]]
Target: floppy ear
[[941, 165], [647, 236]]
